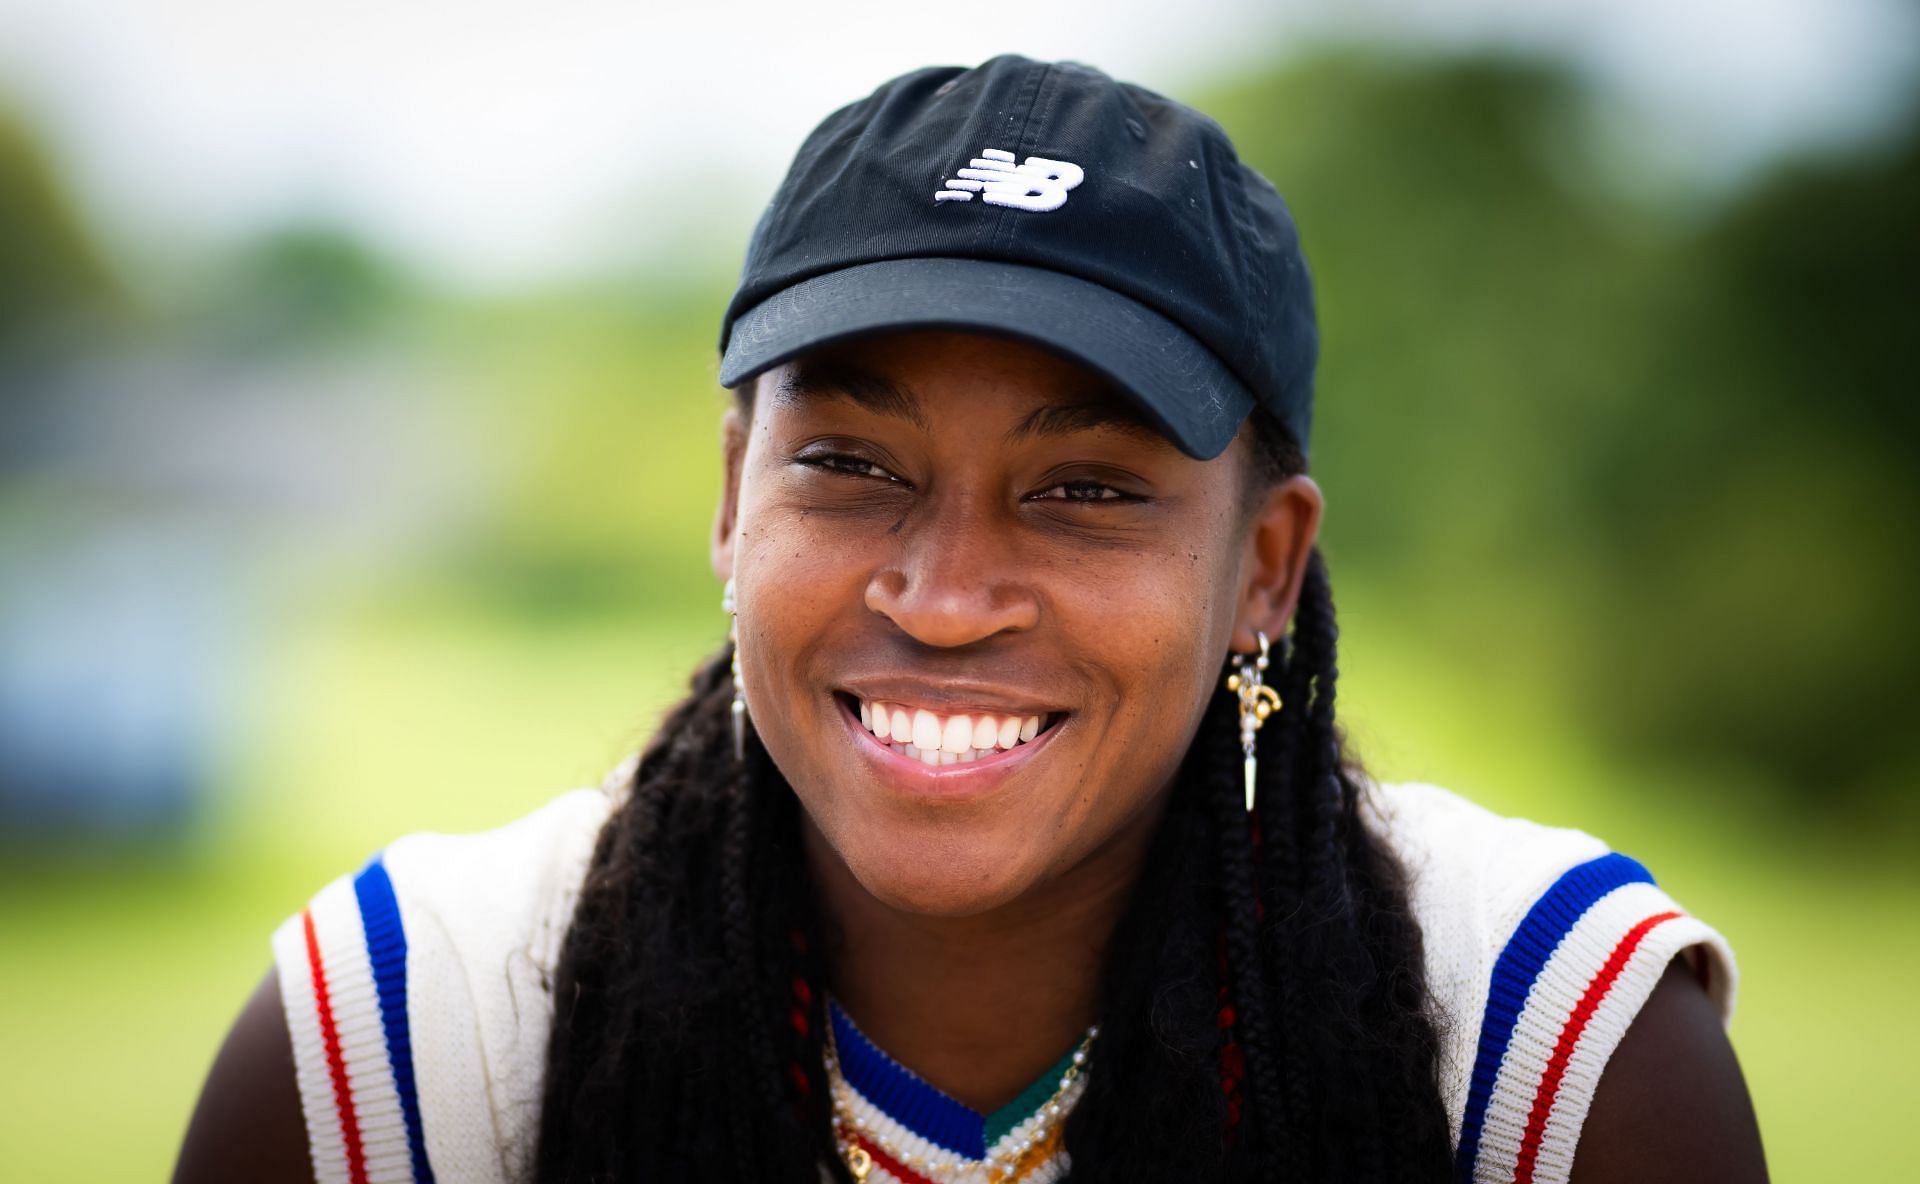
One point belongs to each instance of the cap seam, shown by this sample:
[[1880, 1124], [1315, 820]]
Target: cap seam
[[1256, 275], [1003, 232]]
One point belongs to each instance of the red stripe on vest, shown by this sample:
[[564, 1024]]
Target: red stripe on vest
[[1570, 1036], [336, 1063], [888, 1163]]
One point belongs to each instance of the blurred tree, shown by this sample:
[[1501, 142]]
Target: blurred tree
[[308, 282], [1653, 467], [1776, 496], [1465, 278], [49, 268]]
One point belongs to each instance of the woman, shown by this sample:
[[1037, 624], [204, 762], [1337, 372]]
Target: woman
[[1022, 768]]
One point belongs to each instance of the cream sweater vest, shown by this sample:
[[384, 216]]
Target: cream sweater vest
[[418, 990]]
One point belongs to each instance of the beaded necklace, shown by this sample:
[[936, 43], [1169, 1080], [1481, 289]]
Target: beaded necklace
[[892, 1127]]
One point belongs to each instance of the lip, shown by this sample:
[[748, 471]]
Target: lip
[[914, 778]]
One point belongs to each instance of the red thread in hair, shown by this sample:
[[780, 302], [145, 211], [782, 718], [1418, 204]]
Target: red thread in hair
[[1233, 1063]]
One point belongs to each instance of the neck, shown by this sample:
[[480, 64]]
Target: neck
[[978, 1006]]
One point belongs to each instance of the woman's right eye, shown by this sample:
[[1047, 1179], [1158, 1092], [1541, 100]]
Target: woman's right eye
[[846, 462]]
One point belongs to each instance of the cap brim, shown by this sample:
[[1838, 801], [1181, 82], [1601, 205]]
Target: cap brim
[[1180, 384]]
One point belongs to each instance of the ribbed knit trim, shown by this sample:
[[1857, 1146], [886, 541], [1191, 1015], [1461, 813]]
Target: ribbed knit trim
[[1028, 1103], [1519, 964], [922, 1110], [357, 1126], [296, 965], [903, 1095], [887, 1164], [1570, 1033], [1581, 1007], [1564, 992], [387, 954]]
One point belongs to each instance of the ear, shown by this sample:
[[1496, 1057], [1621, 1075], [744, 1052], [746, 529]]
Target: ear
[[726, 518], [1282, 537]]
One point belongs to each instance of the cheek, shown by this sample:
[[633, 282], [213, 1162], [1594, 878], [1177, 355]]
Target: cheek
[[1156, 642], [792, 571], [1157, 624]]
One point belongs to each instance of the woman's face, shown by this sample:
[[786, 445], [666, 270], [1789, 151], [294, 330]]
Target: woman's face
[[978, 551]]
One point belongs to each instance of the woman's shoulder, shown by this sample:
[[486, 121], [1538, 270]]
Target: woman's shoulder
[[1541, 947], [425, 981]]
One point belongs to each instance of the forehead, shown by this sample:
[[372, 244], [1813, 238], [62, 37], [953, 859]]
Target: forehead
[[926, 377]]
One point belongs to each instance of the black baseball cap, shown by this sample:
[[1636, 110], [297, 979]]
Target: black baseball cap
[[1048, 203]]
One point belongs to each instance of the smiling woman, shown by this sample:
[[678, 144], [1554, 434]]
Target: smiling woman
[[1012, 835]]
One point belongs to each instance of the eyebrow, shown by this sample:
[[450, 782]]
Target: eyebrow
[[827, 379], [809, 381], [1064, 419]]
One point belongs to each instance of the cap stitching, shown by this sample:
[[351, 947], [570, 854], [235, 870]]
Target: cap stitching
[[1258, 280], [1003, 232]]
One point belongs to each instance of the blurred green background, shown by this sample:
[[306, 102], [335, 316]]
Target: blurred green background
[[305, 548]]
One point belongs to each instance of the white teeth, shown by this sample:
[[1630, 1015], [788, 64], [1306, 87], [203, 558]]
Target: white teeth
[[1009, 734], [984, 730], [926, 729], [919, 734], [957, 736]]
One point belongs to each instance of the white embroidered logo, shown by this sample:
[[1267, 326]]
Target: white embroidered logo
[[1036, 183]]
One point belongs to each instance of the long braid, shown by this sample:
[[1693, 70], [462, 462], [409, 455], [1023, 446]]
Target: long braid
[[662, 1054], [1323, 797], [1360, 1052], [1285, 811], [793, 957], [1336, 867], [1161, 992], [1248, 978], [807, 1046], [758, 1086]]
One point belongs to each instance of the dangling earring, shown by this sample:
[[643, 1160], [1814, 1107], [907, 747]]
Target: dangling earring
[[731, 607], [1257, 702]]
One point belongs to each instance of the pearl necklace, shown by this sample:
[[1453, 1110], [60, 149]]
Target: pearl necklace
[[1030, 1153]]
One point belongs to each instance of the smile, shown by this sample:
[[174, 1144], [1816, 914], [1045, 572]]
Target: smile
[[935, 739]]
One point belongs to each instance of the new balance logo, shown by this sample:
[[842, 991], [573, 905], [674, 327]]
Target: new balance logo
[[1035, 184]]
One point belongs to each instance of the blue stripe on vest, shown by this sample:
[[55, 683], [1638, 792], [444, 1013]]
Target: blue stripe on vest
[[906, 1099], [387, 952], [1519, 964]]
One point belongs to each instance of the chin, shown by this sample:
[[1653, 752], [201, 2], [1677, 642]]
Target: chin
[[940, 875]]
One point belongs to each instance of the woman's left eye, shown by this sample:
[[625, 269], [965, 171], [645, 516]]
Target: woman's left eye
[[1083, 491]]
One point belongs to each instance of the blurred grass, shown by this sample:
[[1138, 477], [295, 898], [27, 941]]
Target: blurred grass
[[121, 976]]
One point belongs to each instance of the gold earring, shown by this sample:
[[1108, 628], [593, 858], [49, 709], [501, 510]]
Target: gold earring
[[730, 606], [1257, 702]]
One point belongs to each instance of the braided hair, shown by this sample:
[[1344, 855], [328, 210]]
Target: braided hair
[[1263, 1003]]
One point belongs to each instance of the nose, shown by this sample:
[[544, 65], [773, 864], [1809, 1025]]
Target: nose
[[955, 578]]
